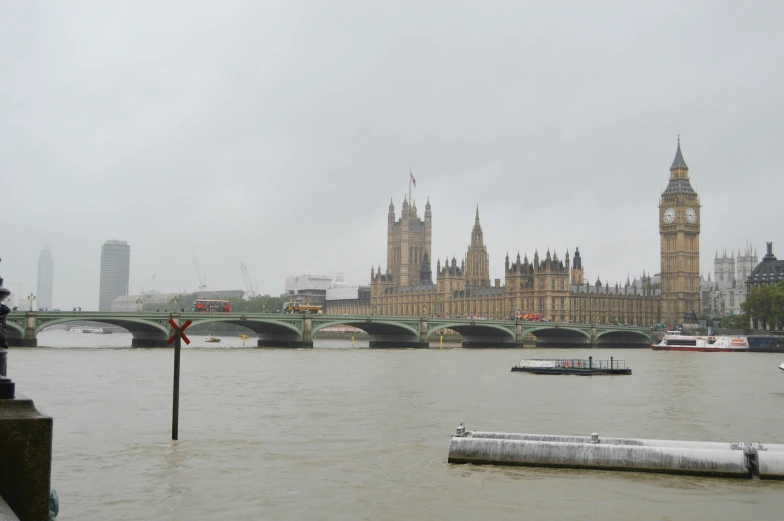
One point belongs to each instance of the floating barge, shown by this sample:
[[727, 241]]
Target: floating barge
[[700, 458], [588, 367]]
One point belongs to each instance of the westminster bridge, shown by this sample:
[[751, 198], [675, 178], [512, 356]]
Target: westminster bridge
[[152, 329]]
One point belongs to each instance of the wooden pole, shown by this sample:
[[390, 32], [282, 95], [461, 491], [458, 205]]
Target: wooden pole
[[176, 394]]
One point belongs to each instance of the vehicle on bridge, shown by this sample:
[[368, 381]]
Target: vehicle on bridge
[[531, 317], [212, 306], [291, 307]]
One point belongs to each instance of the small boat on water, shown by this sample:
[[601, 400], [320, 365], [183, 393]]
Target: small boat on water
[[781, 367], [212, 338], [588, 367], [716, 344], [76, 329]]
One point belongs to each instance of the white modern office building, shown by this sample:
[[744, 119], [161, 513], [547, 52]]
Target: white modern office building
[[115, 270], [45, 279]]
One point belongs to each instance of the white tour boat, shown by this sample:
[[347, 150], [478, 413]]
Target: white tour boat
[[95, 330], [718, 343]]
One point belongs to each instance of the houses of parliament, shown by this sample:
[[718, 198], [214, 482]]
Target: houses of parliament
[[547, 285]]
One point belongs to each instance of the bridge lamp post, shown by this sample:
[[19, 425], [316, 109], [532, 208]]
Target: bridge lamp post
[[31, 298], [6, 385], [176, 301]]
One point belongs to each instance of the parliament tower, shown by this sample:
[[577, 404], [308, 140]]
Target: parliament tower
[[477, 261], [679, 228], [408, 243]]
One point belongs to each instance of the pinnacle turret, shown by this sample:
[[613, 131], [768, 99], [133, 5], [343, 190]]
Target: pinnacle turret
[[679, 175], [679, 162], [406, 212], [477, 237]]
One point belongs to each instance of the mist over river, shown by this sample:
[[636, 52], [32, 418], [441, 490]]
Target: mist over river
[[361, 434]]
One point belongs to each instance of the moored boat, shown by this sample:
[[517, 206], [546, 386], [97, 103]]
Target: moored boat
[[95, 330], [579, 367], [212, 338], [717, 343], [781, 367]]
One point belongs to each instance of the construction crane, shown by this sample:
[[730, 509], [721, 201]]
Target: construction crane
[[149, 285], [202, 280], [251, 288]]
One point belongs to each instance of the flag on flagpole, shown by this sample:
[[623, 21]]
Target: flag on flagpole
[[413, 179]]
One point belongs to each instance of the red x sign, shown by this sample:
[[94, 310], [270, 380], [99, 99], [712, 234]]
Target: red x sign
[[182, 330]]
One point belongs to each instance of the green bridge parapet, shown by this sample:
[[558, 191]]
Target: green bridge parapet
[[152, 329]]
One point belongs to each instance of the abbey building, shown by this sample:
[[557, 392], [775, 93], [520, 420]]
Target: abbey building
[[546, 285]]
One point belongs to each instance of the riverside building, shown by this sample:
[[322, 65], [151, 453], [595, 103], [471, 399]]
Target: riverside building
[[546, 285], [45, 278], [115, 269]]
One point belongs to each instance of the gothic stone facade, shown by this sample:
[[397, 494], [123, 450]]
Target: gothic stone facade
[[550, 286], [725, 292], [679, 229]]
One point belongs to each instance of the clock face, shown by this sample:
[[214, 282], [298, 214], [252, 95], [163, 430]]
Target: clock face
[[691, 215], [669, 215]]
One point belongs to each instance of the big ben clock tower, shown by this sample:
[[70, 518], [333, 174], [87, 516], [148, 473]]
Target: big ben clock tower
[[679, 228]]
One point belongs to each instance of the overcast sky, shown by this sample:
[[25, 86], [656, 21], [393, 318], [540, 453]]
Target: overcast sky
[[275, 133]]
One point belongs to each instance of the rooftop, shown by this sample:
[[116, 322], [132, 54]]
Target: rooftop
[[769, 271]]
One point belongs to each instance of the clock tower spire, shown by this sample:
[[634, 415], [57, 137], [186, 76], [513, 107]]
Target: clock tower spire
[[679, 230]]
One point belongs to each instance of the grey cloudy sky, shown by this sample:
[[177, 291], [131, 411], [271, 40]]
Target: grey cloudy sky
[[275, 133]]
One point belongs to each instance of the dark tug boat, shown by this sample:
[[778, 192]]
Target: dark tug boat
[[588, 367]]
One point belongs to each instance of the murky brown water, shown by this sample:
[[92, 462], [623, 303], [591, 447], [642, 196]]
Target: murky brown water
[[364, 434]]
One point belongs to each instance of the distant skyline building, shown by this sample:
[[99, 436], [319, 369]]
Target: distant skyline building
[[115, 270], [307, 288], [45, 279], [725, 292]]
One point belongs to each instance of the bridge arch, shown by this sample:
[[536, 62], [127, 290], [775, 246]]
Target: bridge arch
[[146, 333], [558, 335], [271, 332], [478, 333], [624, 338], [14, 330], [383, 333]]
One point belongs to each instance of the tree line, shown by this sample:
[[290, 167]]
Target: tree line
[[260, 304], [184, 302], [765, 305]]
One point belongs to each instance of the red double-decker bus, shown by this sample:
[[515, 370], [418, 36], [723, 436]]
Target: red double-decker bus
[[220, 306], [533, 317]]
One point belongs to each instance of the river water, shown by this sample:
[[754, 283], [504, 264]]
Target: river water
[[336, 433]]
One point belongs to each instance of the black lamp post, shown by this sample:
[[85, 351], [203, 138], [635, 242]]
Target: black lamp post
[[6, 385]]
